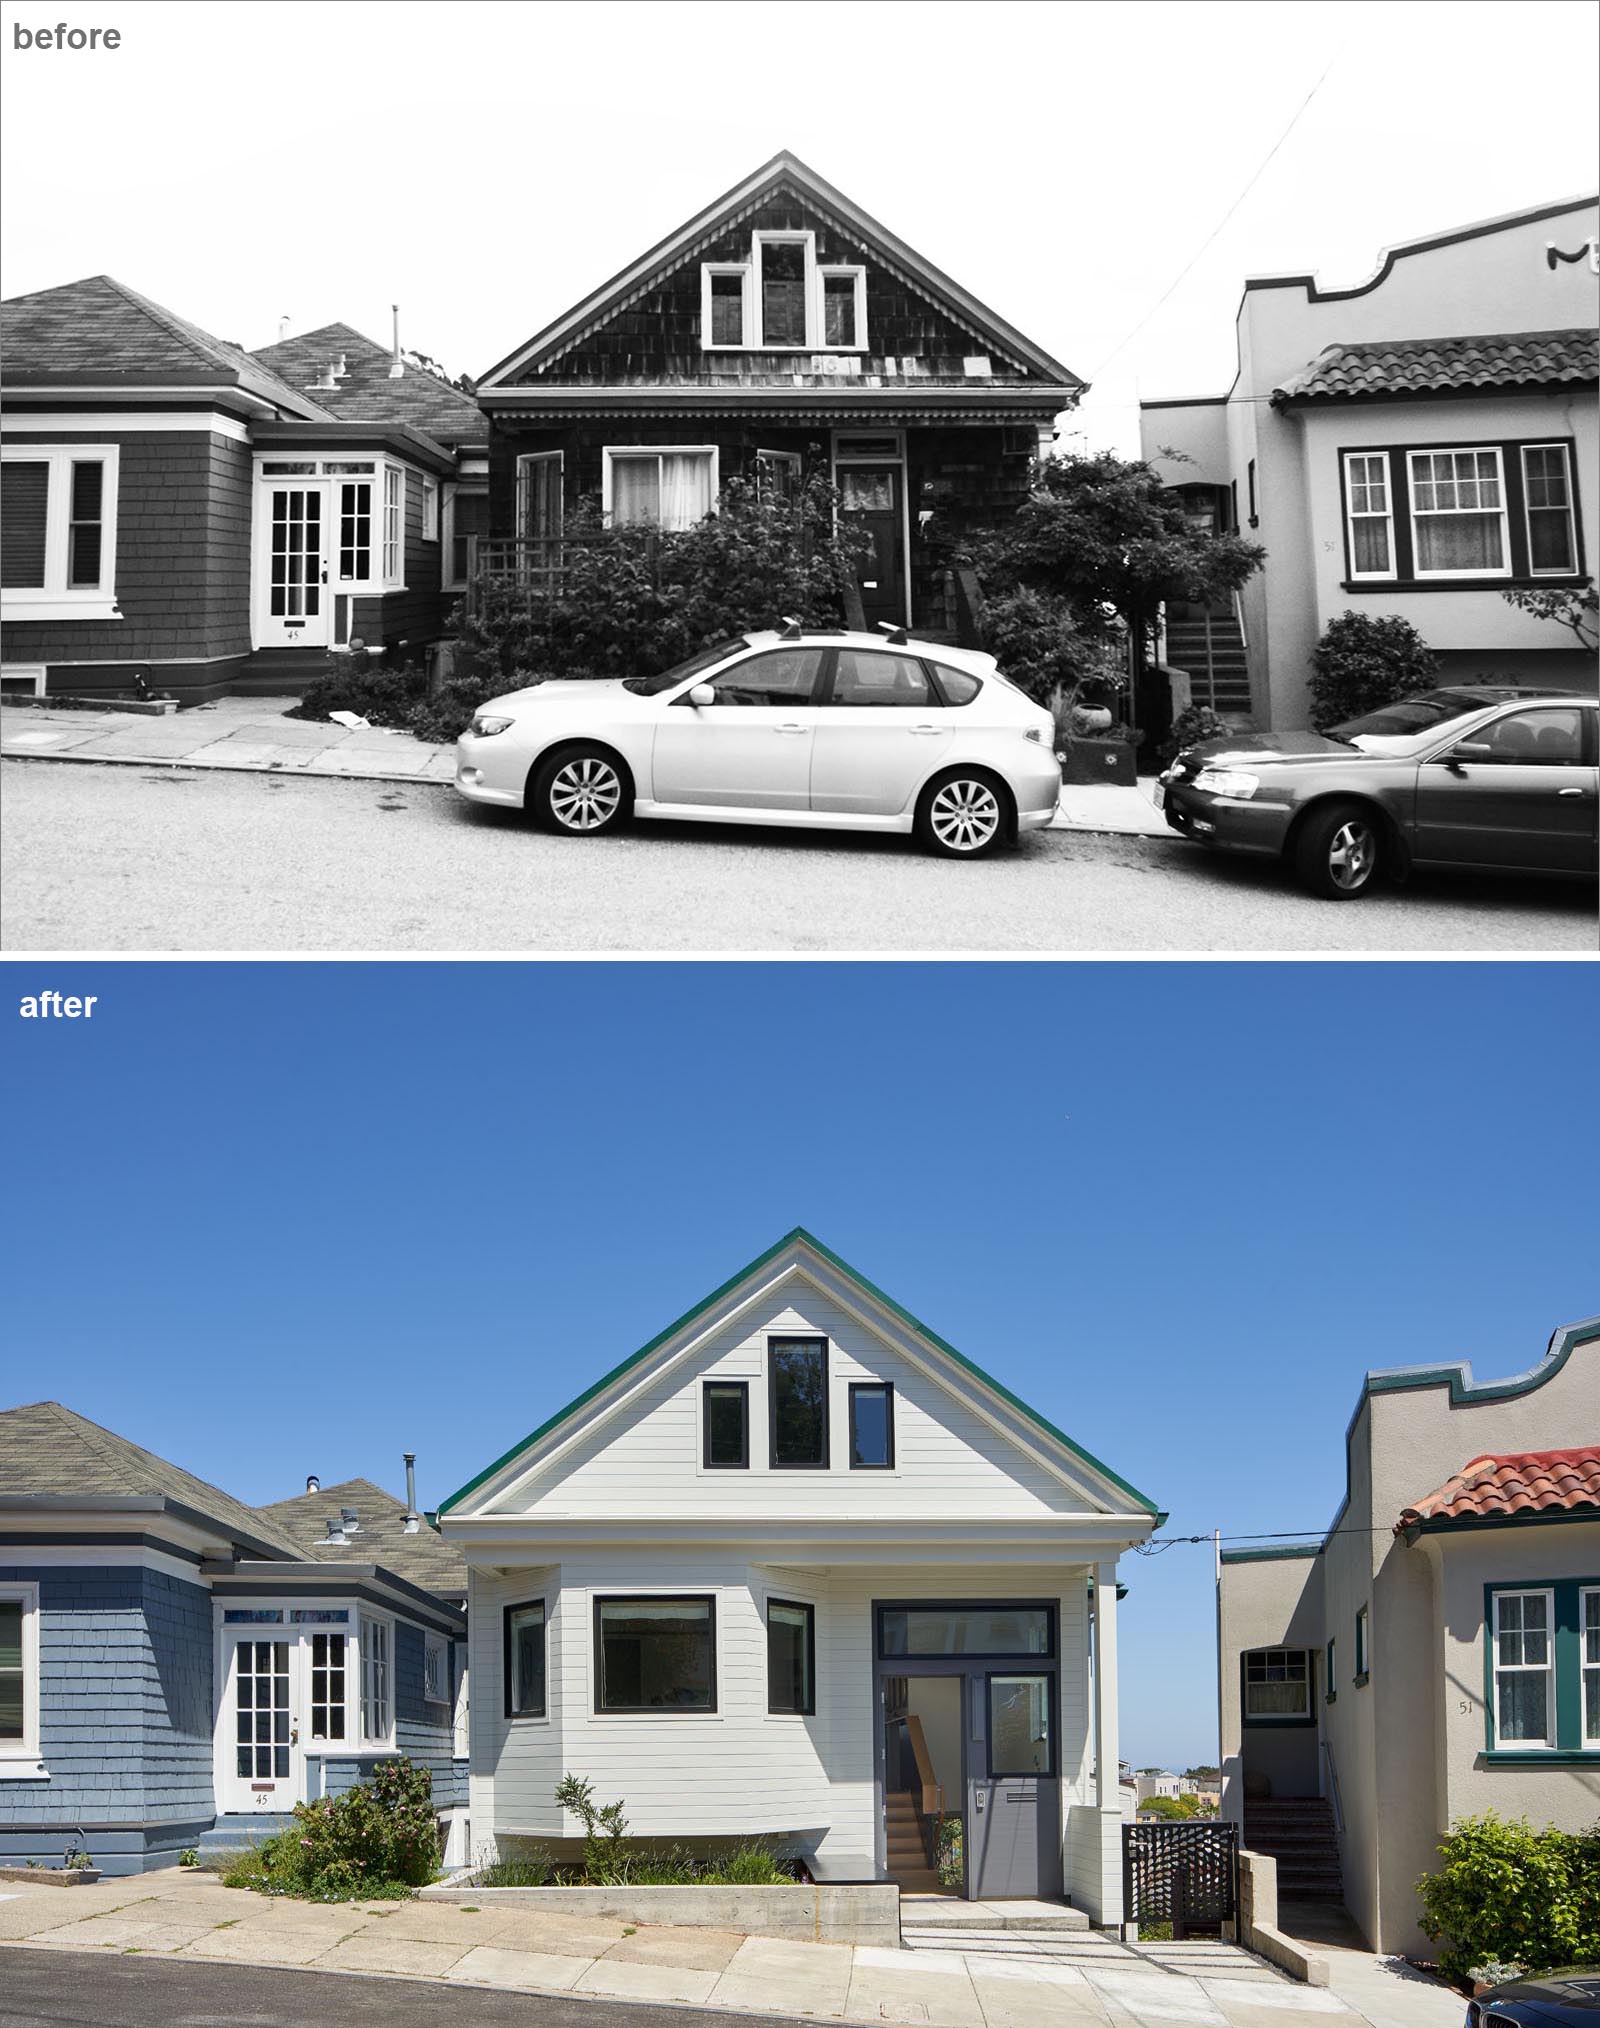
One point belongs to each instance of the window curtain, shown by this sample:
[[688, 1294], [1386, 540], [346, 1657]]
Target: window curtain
[[1459, 542], [685, 489], [635, 489]]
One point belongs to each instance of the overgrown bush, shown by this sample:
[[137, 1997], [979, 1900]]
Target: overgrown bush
[[1193, 724], [1509, 1893], [1362, 663], [1038, 643], [376, 1842], [385, 696]]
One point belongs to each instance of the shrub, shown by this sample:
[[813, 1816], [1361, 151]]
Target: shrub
[[1362, 663], [604, 1830], [375, 1842], [385, 696], [1193, 724], [1511, 1894], [533, 1868], [1038, 643]]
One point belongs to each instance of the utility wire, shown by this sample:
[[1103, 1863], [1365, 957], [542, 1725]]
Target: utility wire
[[1311, 1537], [1232, 208]]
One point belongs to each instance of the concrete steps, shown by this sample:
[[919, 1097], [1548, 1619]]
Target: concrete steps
[[1298, 1832]]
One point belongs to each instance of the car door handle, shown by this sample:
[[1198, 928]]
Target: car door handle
[[1571, 792], [926, 729], [788, 728]]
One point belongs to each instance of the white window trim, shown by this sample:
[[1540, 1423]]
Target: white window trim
[[436, 1645], [55, 599], [461, 1708], [430, 509], [386, 1620], [395, 579], [1566, 570], [1503, 568], [19, 1758], [1308, 1679], [809, 240], [1352, 517], [1547, 1743], [612, 451], [746, 308], [819, 321], [526, 460], [1586, 1668]]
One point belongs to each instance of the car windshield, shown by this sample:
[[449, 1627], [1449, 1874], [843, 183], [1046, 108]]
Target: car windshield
[[1412, 714], [652, 686]]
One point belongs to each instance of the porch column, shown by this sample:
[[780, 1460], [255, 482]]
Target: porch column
[[1108, 1794]]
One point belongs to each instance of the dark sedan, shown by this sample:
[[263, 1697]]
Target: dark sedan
[[1505, 784], [1569, 1999]]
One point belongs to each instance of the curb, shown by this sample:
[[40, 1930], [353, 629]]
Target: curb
[[128, 760]]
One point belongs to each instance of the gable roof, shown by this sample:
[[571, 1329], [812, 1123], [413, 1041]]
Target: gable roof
[[1445, 366], [1503, 1486], [49, 1450], [800, 1237], [100, 327], [423, 1558], [367, 394], [784, 172]]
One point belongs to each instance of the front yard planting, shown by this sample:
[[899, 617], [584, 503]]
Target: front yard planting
[[375, 1843], [612, 1859], [1507, 1895]]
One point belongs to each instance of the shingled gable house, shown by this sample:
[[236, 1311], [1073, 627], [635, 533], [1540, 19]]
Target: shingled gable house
[[178, 1669], [778, 331], [183, 515], [798, 1569]]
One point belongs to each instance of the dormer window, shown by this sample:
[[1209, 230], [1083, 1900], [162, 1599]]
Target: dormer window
[[781, 300]]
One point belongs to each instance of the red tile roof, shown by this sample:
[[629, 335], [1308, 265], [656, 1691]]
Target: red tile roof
[[1493, 1488], [1446, 366]]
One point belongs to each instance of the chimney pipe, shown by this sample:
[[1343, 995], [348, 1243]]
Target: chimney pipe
[[411, 1492], [313, 1483], [283, 327], [397, 370]]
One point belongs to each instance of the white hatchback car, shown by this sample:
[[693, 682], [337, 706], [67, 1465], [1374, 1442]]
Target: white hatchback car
[[860, 732]]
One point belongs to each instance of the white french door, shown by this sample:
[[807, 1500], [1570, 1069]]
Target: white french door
[[261, 1737], [292, 601]]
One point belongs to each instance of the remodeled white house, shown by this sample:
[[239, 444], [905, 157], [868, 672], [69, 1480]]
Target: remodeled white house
[[798, 1569]]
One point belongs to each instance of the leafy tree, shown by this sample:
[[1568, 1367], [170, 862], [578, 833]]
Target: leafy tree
[[1202, 1774], [1174, 1807], [1576, 607], [1363, 662]]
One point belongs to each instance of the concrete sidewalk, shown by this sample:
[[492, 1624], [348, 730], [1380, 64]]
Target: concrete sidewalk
[[999, 1979], [253, 735]]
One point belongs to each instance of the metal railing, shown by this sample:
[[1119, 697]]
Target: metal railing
[[1333, 1787]]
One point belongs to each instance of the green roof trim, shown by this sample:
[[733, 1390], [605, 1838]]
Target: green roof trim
[[799, 1235], [1278, 1552]]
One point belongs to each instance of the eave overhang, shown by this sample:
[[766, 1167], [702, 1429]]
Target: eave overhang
[[219, 390], [867, 407], [48, 1508], [243, 1578], [400, 438], [834, 1539]]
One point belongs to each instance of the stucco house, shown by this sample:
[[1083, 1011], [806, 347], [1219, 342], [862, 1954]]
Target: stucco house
[[178, 1669], [1417, 444], [1437, 1654], [798, 1569], [780, 331], [179, 514]]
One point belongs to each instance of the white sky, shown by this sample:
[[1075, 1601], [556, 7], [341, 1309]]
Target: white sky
[[487, 165]]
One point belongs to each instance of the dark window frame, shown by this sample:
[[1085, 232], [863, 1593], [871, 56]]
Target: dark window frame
[[774, 1340], [1521, 576], [706, 1598], [1278, 1721], [1052, 1694], [1250, 485], [965, 1605], [521, 1606], [886, 1389], [708, 1463], [808, 1709]]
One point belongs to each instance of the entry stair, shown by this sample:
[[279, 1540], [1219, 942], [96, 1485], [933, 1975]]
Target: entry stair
[[1208, 644], [230, 1835], [908, 1855], [1298, 1832]]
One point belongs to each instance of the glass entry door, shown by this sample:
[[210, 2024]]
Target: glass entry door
[[262, 1739], [292, 584], [1014, 1805]]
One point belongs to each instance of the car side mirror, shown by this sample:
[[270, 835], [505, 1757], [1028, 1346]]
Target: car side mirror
[[1468, 750], [702, 693]]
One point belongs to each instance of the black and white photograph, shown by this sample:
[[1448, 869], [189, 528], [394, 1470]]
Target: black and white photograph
[[799, 890]]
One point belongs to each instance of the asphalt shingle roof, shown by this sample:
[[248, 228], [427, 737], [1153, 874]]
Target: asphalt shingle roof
[[367, 394], [1494, 1487], [46, 1448], [424, 1559], [101, 326], [1446, 366]]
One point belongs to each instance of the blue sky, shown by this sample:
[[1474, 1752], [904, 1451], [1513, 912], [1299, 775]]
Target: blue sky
[[274, 1219]]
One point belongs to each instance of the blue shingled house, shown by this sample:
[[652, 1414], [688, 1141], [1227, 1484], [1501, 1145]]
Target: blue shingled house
[[179, 1669]]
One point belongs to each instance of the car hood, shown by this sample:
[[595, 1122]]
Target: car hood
[[1559, 1996], [1270, 746], [555, 694]]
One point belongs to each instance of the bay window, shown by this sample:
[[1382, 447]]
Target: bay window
[[327, 1685], [375, 1680], [655, 1654], [394, 518], [524, 1660], [670, 487], [58, 529]]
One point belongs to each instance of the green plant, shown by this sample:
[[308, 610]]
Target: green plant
[[189, 1856], [1193, 724], [1363, 662], [1495, 1972], [384, 696], [534, 1869], [1508, 1893], [1575, 607], [376, 1842], [948, 1847], [604, 1830]]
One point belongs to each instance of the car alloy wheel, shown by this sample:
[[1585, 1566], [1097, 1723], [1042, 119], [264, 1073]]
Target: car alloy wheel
[[584, 793], [1352, 855], [1338, 851], [964, 815]]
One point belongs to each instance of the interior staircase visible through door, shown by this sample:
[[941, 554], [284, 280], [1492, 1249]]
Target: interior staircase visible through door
[[908, 1854]]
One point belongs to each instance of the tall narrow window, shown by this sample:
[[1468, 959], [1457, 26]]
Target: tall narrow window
[[1363, 1664], [1522, 1668], [1547, 491], [1250, 484], [725, 1414], [84, 529], [524, 1660], [1371, 517], [839, 311], [1589, 1664], [327, 1685], [727, 309], [791, 1657], [394, 505], [375, 1679], [783, 292], [1458, 514], [436, 1669], [798, 1389], [430, 510], [355, 530], [17, 1694], [1330, 1680], [871, 1426]]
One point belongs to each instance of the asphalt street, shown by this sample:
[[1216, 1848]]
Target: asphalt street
[[158, 859], [88, 1989]]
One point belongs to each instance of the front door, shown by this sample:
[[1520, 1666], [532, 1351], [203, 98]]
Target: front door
[[1014, 1794], [870, 498], [292, 568], [262, 1736]]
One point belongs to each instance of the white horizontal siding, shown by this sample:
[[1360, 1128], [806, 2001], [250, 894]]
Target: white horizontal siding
[[645, 1460]]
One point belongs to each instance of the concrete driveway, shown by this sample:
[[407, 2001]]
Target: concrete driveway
[[1007, 1980]]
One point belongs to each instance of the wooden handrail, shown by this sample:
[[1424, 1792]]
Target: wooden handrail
[[932, 1794]]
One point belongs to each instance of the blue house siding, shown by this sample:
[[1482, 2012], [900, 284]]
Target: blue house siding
[[423, 1732], [124, 1718]]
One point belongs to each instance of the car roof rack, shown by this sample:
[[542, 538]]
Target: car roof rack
[[789, 628], [897, 635]]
